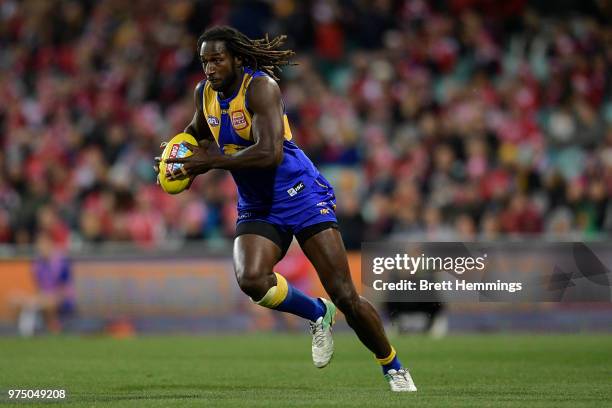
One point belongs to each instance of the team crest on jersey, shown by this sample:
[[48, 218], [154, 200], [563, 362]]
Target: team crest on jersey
[[239, 120], [212, 120]]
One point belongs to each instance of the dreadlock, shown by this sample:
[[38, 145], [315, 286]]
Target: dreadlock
[[261, 54]]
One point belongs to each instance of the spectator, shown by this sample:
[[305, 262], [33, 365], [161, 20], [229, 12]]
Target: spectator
[[483, 115], [54, 297]]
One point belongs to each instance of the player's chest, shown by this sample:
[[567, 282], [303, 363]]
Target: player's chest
[[231, 127]]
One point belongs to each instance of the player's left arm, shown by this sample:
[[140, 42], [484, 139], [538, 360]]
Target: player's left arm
[[264, 99]]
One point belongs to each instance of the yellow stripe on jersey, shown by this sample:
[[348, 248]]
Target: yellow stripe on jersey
[[239, 115], [230, 149]]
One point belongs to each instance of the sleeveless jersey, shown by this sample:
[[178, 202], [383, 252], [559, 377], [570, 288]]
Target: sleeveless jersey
[[230, 122]]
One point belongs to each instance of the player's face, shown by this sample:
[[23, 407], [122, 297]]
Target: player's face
[[219, 66]]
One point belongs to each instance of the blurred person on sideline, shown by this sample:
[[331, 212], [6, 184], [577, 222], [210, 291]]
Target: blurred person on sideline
[[54, 298]]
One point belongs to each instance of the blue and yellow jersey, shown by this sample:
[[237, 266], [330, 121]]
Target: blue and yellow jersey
[[230, 122]]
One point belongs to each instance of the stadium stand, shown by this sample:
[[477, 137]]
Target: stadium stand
[[442, 120]]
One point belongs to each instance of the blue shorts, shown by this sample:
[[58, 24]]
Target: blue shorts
[[314, 204]]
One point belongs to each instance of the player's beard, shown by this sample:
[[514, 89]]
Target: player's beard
[[225, 85]]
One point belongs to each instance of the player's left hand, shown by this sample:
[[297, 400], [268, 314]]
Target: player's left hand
[[157, 160], [197, 163]]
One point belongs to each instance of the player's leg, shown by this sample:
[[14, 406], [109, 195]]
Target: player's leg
[[254, 258], [326, 251], [258, 247]]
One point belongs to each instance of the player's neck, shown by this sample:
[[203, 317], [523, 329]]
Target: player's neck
[[233, 88]]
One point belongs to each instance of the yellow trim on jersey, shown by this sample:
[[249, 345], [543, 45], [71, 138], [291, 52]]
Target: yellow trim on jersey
[[239, 116], [276, 294], [230, 149], [387, 360]]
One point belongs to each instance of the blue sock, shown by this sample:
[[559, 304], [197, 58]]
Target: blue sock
[[390, 362], [299, 304], [394, 364]]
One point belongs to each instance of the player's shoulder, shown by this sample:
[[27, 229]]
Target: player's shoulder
[[259, 79], [263, 82], [198, 93], [199, 88], [263, 90]]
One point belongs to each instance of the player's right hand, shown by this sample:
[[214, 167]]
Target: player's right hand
[[198, 163]]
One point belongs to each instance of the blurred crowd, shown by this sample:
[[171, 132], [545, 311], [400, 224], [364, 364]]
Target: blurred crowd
[[443, 120]]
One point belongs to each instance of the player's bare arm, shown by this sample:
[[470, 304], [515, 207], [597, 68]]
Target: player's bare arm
[[197, 127], [264, 100]]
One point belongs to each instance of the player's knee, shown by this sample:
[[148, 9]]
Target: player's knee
[[254, 285]]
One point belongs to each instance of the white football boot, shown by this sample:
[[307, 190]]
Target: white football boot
[[400, 380], [322, 341]]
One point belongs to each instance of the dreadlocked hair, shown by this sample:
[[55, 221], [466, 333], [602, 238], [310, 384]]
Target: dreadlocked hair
[[261, 54]]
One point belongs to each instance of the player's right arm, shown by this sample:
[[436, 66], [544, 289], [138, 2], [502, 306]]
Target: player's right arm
[[198, 127]]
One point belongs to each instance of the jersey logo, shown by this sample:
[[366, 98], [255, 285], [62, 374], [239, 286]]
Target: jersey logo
[[239, 120], [212, 120], [295, 189]]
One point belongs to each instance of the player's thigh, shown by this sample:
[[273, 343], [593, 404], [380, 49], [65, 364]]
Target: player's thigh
[[326, 252]]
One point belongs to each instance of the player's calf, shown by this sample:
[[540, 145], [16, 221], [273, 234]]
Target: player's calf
[[358, 311], [347, 302], [285, 297]]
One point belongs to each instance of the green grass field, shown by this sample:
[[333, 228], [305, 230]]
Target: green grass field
[[275, 370]]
